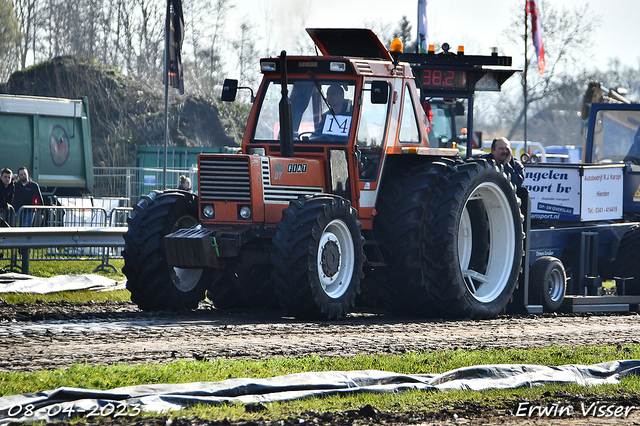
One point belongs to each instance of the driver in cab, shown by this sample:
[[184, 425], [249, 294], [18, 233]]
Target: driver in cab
[[336, 122]]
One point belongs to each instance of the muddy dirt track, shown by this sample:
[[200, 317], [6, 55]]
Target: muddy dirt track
[[56, 335]]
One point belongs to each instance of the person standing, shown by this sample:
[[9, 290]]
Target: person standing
[[7, 189], [27, 193]]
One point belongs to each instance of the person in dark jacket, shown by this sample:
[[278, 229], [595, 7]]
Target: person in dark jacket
[[27, 194], [7, 190], [501, 154]]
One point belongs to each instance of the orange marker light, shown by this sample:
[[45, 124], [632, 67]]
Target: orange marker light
[[396, 46]]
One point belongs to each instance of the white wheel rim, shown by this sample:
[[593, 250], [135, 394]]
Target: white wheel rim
[[486, 285], [184, 279], [335, 259], [556, 285]]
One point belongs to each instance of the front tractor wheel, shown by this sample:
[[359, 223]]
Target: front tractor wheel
[[154, 285], [318, 257]]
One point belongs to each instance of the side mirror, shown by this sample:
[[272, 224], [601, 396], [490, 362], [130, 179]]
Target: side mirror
[[229, 90], [459, 108], [379, 92]]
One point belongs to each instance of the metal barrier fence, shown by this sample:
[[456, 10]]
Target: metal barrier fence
[[65, 217], [115, 189], [133, 182]]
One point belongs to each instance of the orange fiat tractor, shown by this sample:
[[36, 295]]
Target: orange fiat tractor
[[337, 191]]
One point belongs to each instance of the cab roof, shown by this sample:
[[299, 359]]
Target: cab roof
[[349, 42]]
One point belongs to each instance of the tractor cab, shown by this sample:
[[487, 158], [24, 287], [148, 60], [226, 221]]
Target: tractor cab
[[346, 110]]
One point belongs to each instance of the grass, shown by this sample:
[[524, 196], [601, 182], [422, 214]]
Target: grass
[[109, 377], [50, 268], [80, 296]]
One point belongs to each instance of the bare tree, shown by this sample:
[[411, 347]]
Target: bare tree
[[9, 39], [26, 11], [211, 54], [567, 42], [403, 32], [247, 55]]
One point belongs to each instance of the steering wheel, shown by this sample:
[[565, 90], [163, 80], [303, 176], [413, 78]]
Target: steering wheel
[[302, 134]]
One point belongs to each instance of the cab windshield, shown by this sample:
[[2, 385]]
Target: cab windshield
[[441, 132], [321, 111]]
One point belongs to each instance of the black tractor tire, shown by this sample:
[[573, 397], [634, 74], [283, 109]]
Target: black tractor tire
[[318, 257], [153, 284], [399, 225], [473, 244], [548, 283], [627, 262]]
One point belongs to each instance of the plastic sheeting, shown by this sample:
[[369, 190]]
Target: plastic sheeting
[[128, 401], [19, 283]]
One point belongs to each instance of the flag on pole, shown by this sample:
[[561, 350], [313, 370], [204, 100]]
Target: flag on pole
[[423, 37], [536, 33], [176, 37]]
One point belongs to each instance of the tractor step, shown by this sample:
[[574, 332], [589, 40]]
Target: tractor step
[[372, 251]]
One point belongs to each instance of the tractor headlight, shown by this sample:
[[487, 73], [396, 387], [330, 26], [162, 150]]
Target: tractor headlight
[[207, 211], [245, 212]]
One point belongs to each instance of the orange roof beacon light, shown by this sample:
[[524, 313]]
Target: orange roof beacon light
[[396, 50]]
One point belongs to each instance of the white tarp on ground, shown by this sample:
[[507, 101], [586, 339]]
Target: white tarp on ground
[[162, 398], [19, 283]]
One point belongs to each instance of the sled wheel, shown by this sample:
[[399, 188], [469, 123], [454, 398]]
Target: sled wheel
[[548, 279]]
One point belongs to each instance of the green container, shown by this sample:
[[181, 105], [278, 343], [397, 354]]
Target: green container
[[52, 138], [177, 157]]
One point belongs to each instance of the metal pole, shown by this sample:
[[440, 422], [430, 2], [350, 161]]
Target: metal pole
[[526, 30], [469, 126], [166, 95]]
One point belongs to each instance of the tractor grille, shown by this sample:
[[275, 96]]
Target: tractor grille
[[282, 193], [225, 178]]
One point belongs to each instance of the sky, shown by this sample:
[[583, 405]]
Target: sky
[[476, 24]]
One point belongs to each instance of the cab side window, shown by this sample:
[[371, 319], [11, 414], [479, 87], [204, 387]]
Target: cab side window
[[370, 138], [409, 122]]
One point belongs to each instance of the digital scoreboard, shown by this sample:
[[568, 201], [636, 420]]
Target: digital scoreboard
[[453, 80]]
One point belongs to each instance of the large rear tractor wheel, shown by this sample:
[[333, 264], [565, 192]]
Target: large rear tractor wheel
[[318, 257], [398, 226], [153, 284], [473, 244], [627, 262], [222, 292], [549, 281], [251, 277]]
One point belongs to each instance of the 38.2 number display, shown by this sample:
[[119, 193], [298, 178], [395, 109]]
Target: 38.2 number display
[[443, 79]]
